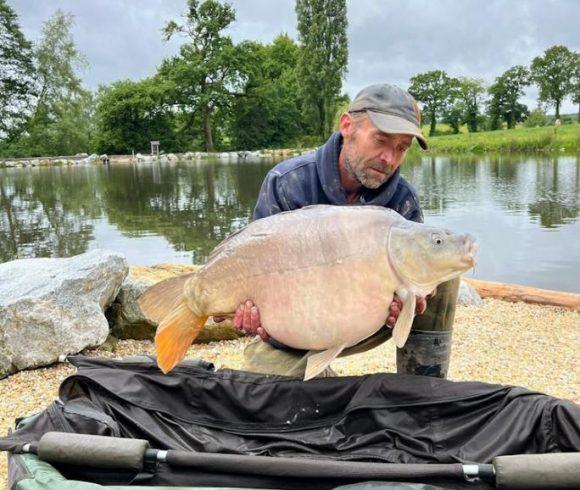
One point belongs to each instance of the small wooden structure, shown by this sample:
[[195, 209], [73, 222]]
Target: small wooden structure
[[155, 148]]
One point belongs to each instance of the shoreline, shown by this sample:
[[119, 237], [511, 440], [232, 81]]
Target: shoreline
[[94, 159], [545, 140]]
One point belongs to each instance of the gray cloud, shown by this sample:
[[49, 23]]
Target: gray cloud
[[389, 40]]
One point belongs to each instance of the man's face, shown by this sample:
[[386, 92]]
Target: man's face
[[371, 156]]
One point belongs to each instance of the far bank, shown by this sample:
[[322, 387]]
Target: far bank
[[547, 139]]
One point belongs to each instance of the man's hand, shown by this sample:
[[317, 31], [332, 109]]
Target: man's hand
[[247, 318], [397, 305]]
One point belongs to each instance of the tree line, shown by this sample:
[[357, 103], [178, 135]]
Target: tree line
[[214, 94], [468, 101], [219, 95]]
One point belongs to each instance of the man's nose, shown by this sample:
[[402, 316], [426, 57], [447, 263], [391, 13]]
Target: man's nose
[[388, 156]]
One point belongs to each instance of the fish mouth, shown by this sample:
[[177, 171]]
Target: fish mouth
[[471, 248]]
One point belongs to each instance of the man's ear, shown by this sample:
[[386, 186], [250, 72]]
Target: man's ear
[[345, 124]]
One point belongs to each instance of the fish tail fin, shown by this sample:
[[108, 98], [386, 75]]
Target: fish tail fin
[[160, 299], [404, 322], [319, 362], [175, 334]]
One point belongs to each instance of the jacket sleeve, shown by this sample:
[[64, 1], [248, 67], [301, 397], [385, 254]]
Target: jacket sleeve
[[270, 200]]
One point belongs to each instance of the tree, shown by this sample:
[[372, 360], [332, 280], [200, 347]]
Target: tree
[[471, 94], [57, 60], [60, 123], [60, 119], [17, 88], [269, 115], [322, 64], [208, 73], [575, 89], [505, 92], [553, 74], [131, 114], [437, 91], [454, 108]]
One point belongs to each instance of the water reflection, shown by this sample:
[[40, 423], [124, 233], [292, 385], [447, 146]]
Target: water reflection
[[46, 213], [193, 206], [524, 210], [548, 190]]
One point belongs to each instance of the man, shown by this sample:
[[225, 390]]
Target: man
[[359, 165]]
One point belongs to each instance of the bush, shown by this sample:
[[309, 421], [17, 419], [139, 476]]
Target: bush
[[537, 118]]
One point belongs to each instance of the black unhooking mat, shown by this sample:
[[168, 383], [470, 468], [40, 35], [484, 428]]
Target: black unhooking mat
[[376, 418]]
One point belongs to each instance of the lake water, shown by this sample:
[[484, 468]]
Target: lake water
[[523, 210]]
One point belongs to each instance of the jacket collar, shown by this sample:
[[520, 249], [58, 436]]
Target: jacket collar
[[327, 165]]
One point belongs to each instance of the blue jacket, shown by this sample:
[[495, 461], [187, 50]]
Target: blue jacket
[[314, 179]]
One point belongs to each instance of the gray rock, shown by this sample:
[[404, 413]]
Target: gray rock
[[467, 295], [126, 319], [50, 307]]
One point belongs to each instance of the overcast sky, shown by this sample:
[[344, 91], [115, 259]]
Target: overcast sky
[[389, 40]]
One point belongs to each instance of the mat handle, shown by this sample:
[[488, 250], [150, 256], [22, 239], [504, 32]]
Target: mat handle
[[91, 450], [531, 471]]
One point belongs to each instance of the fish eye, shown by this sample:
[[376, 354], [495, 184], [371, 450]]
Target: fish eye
[[437, 239]]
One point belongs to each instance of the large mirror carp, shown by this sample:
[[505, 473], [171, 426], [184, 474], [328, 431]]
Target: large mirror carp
[[323, 278]]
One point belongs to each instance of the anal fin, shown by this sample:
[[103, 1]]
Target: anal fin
[[319, 362]]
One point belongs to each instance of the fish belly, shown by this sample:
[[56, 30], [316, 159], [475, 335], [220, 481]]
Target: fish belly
[[324, 307]]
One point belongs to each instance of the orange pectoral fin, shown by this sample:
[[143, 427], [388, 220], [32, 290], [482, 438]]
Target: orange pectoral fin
[[174, 336]]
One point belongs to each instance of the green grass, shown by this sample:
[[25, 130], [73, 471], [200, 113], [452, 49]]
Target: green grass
[[520, 139]]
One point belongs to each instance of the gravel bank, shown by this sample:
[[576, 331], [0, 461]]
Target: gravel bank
[[518, 344]]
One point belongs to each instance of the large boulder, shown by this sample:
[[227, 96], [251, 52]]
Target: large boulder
[[128, 321], [50, 307]]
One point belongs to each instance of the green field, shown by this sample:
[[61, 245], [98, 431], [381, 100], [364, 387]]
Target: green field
[[543, 139]]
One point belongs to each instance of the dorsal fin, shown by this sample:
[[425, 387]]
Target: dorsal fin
[[158, 301]]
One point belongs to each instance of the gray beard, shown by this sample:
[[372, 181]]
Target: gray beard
[[361, 177]]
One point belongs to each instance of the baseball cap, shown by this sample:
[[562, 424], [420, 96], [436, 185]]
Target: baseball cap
[[391, 109]]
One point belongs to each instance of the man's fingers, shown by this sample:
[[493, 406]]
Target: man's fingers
[[421, 306], [238, 317], [391, 320], [254, 318], [262, 333], [247, 317]]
